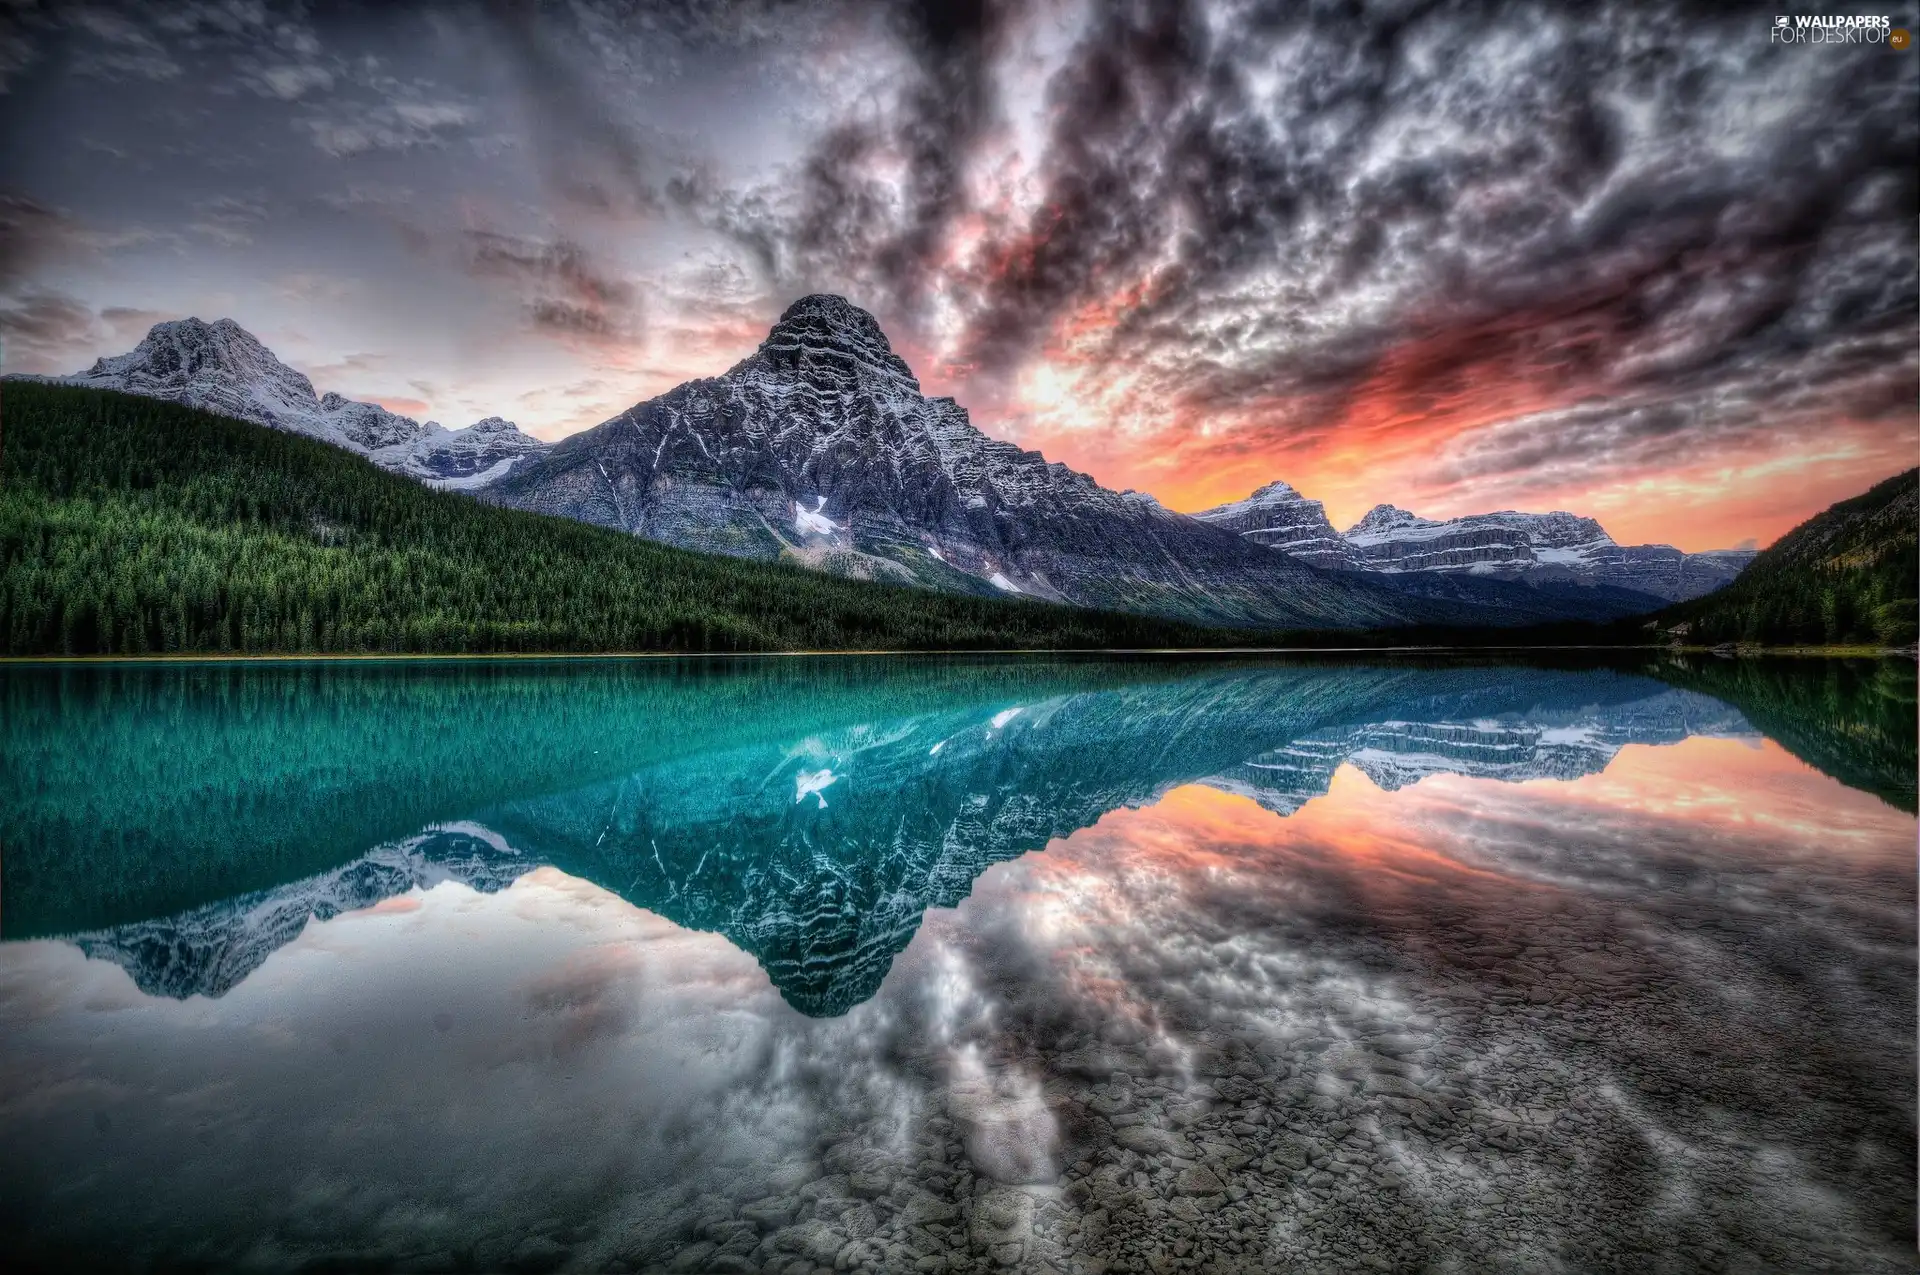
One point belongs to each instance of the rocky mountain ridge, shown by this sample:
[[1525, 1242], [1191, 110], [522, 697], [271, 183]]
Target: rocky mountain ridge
[[820, 448], [221, 367], [1556, 548]]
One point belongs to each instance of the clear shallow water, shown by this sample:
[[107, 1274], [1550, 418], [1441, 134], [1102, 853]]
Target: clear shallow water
[[917, 964]]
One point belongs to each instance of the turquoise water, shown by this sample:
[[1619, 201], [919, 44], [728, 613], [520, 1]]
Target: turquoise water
[[800, 964]]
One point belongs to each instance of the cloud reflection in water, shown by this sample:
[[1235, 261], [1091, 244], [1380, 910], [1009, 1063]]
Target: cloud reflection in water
[[1467, 1023]]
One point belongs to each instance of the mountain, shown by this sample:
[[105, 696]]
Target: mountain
[[1847, 575], [818, 853], [220, 367], [820, 448], [1279, 517], [131, 526], [1554, 550], [462, 459], [1552, 546]]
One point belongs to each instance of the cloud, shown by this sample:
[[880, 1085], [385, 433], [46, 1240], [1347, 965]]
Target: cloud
[[228, 220], [30, 232], [587, 153], [1442, 255], [401, 404], [348, 366], [564, 292], [309, 287], [47, 332], [293, 80], [355, 129], [122, 48], [130, 324], [1499, 235]]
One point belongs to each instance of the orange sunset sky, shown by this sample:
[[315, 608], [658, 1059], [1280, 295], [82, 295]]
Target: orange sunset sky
[[1638, 264]]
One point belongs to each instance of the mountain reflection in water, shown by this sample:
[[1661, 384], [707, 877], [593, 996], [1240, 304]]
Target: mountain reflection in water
[[1324, 965], [743, 840]]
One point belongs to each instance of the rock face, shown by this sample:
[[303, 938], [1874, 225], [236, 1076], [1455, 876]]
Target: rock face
[[464, 459], [1281, 518], [220, 367], [821, 448], [1553, 549]]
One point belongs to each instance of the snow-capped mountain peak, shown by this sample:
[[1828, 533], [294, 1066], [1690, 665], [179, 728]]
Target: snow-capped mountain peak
[[217, 366], [820, 447], [1279, 517], [1552, 548], [462, 459], [221, 367], [493, 425], [1383, 521]]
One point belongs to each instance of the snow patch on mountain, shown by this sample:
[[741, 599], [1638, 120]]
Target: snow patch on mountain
[[813, 521]]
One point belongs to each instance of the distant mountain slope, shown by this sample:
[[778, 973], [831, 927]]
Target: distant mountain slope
[[1850, 574], [1556, 549], [129, 525], [1278, 517], [820, 448], [221, 367]]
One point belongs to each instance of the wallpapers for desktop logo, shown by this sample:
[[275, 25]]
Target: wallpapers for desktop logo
[[1833, 28]]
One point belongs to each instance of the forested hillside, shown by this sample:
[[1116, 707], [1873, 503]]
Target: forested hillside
[[1848, 575], [1852, 719], [131, 526]]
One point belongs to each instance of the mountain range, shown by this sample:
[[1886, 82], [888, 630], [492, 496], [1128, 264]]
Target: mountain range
[[820, 448], [1551, 548], [220, 367]]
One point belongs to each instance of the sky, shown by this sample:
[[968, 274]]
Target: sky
[[1635, 261]]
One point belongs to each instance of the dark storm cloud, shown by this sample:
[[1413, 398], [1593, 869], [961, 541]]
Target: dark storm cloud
[[1124, 147], [1255, 181], [931, 130]]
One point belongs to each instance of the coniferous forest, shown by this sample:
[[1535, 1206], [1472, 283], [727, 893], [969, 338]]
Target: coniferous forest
[[1848, 575], [132, 526]]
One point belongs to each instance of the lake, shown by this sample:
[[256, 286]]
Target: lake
[[939, 964]]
